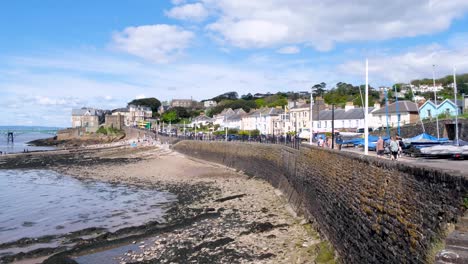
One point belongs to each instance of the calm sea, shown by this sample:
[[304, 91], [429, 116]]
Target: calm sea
[[23, 135], [35, 203]]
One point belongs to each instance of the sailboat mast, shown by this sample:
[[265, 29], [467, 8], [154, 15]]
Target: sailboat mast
[[397, 109], [456, 104], [419, 114], [435, 100], [366, 113], [386, 111]]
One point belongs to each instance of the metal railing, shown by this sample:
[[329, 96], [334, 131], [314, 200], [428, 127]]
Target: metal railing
[[289, 141]]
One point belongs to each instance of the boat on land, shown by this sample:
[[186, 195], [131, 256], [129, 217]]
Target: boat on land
[[447, 151], [358, 142], [424, 140]]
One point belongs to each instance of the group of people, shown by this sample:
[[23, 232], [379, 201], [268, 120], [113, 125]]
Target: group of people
[[327, 142], [395, 147]]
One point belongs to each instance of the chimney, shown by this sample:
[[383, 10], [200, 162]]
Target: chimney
[[349, 106], [376, 106]]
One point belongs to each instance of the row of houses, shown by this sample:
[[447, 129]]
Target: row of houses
[[90, 119], [296, 117]]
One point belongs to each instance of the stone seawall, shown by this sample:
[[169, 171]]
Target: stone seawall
[[446, 129], [372, 210]]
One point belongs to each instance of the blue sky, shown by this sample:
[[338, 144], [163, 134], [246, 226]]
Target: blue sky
[[59, 55]]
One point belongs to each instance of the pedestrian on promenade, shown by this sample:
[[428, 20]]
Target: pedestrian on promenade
[[380, 147], [320, 142], [401, 145], [394, 148]]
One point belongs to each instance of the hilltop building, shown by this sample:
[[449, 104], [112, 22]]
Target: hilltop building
[[209, 103], [87, 118], [134, 114], [185, 103], [163, 108]]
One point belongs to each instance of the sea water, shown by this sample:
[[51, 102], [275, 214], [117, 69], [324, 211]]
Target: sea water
[[34, 203], [20, 142]]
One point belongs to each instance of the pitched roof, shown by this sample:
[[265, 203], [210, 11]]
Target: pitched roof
[[203, 118], [83, 111], [341, 114], [299, 106], [120, 110], [272, 111], [403, 106]]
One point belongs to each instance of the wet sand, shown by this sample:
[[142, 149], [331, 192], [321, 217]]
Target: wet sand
[[222, 216]]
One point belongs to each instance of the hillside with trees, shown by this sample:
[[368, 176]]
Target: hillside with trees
[[151, 102], [462, 83]]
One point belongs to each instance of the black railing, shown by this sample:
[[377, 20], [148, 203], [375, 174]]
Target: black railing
[[289, 141]]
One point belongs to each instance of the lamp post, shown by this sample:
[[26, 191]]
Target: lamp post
[[333, 127], [435, 99], [386, 111], [311, 115], [457, 143], [397, 110], [366, 113]]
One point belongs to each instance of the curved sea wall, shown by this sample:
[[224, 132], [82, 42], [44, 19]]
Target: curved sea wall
[[372, 210]]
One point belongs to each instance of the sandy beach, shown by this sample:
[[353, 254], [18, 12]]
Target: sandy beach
[[222, 216]]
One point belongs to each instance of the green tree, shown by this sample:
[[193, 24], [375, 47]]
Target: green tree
[[248, 96], [151, 102], [319, 89], [181, 112], [170, 116], [260, 102]]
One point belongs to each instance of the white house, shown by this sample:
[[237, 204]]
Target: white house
[[220, 118], [209, 103], [230, 118], [133, 114], [347, 119], [262, 119], [300, 117], [201, 121], [235, 121], [407, 110]]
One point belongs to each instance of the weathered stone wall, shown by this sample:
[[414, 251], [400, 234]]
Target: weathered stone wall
[[372, 210], [446, 129], [115, 121]]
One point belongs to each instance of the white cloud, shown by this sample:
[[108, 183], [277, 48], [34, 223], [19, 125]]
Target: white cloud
[[289, 50], [140, 96], [253, 32], [159, 43], [321, 24], [412, 64], [60, 101], [177, 2], [195, 12]]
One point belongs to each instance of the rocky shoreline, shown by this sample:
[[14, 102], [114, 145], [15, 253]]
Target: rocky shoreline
[[222, 216]]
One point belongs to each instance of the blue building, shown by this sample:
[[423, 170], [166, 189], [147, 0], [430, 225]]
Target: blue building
[[430, 110]]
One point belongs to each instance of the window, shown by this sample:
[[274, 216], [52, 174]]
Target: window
[[429, 113]]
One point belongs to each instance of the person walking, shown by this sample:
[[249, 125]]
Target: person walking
[[380, 147], [401, 145], [394, 147]]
